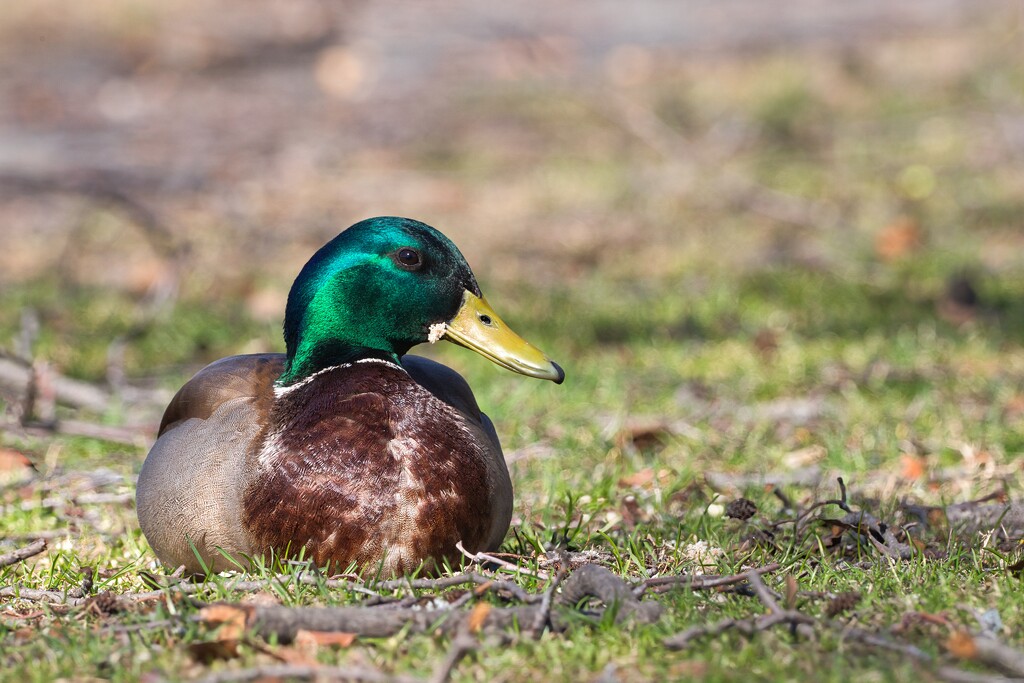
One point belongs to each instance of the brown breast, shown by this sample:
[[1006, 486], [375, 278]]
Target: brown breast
[[363, 465]]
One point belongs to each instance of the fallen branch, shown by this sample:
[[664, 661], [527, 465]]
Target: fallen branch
[[283, 623], [589, 581], [594, 581], [16, 376], [700, 582], [484, 557], [128, 436], [305, 671], [513, 589], [981, 649], [734, 484], [102, 186], [988, 651], [69, 598], [462, 644], [541, 621], [45, 534], [80, 499], [951, 674], [371, 589], [776, 616], [20, 554]]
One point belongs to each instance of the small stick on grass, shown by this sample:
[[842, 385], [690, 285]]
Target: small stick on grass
[[484, 557], [52, 597], [305, 672], [988, 651], [700, 582], [762, 592], [21, 554], [776, 616], [439, 583], [544, 613], [589, 581], [462, 644], [457, 580]]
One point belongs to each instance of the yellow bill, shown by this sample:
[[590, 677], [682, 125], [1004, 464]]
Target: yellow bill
[[476, 326]]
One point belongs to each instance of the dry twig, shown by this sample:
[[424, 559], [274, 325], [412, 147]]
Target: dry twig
[[70, 598], [981, 649], [776, 616], [305, 672], [540, 622], [699, 582], [988, 651], [128, 436], [370, 589], [484, 557], [20, 554], [16, 376], [462, 644], [589, 581]]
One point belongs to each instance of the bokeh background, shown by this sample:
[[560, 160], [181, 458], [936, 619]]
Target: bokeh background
[[634, 184]]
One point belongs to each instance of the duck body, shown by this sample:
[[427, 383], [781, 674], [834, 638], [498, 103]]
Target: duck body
[[352, 455], [362, 464]]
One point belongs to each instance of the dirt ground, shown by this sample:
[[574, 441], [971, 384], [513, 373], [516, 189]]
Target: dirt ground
[[130, 129]]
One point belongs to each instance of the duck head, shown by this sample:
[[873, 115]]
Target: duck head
[[385, 285]]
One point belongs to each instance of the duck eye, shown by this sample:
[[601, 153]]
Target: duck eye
[[409, 258]]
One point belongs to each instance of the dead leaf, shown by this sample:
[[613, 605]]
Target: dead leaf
[[324, 638], [766, 341], [645, 478], [208, 651], [631, 512], [791, 590], [307, 643], [643, 434], [25, 635], [802, 457], [295, 655], [261, 598], [842, 603], [638, 479], [898, 239], [912, 467], [1014, 406], [961, 644], [960, 303], [976, 459], [104, 604], [230, 619], [688, 669], [478, 616], [15, 467], [339, 72]]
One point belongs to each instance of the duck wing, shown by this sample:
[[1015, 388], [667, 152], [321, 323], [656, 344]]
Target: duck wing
[[187, 496], [249, 376], [452, 388]]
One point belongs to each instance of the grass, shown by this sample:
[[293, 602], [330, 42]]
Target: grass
[[676, 304], [886, 384]]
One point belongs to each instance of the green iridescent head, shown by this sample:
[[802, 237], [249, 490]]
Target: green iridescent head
[[385, 285]]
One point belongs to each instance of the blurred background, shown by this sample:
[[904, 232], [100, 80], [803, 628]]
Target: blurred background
[[631, 182]]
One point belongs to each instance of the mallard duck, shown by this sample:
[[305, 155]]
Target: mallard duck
[[344, 449]]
